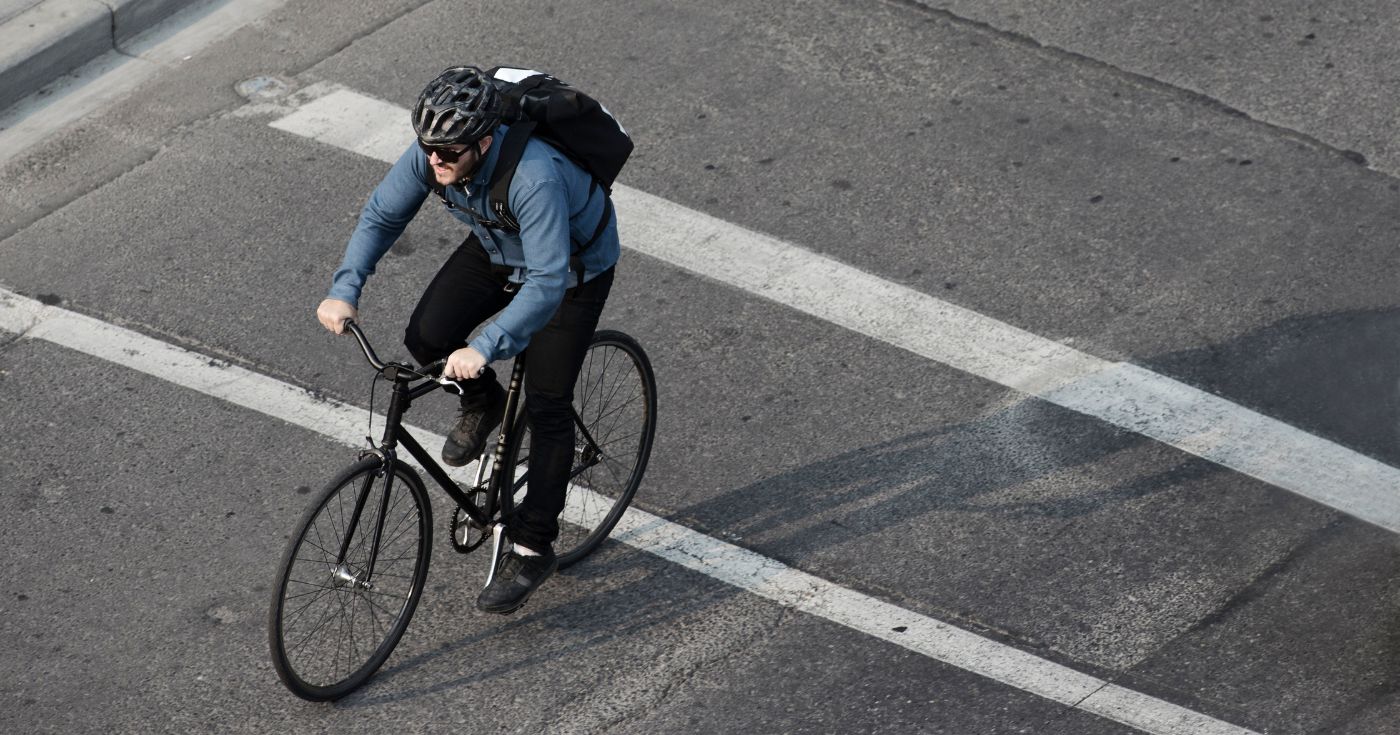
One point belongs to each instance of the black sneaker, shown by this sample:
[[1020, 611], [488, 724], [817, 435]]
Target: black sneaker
[[516, 578], [467, 438]]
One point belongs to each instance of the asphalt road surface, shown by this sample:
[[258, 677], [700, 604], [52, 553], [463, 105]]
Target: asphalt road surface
[[1023, 368]]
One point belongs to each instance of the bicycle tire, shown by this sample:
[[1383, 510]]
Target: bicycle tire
[[616, 386], [313, 613]]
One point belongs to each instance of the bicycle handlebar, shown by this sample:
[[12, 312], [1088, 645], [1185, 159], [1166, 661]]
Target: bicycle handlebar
[[432, 370], [364, 344]]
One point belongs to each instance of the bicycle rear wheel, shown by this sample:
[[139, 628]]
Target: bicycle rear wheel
[[330, 628], [615, 414]]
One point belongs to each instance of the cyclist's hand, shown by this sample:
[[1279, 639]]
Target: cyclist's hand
[[332, 314], [464, 364]]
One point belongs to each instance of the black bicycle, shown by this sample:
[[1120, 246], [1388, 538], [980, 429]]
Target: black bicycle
[[356, 565]]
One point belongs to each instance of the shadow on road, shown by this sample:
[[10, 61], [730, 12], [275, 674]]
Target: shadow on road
[[1034, 505]]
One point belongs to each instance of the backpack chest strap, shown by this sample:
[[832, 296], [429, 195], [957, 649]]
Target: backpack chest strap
[[441, 193]]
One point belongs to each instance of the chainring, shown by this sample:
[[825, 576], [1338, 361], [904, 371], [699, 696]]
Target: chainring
[[465, 533]]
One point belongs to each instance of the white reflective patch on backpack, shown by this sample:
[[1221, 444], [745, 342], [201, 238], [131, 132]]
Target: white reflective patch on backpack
[[608, 112], [514, 76]]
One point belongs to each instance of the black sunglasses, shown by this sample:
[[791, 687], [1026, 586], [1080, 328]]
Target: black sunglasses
[[446, 155]]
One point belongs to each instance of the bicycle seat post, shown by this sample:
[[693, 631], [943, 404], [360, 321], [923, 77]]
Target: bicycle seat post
[[499, 486]]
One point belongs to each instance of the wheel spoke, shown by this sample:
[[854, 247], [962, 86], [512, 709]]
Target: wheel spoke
[[331, 632], [383, 609], [606, 402], [314, 630], [318, 591], [304, 608], [615, 406], [631, 399], [615, 440]]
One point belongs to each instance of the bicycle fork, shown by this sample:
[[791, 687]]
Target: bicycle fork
[[342, 575]]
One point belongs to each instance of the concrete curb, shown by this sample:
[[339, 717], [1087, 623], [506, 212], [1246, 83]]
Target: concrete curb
[[53, 37]]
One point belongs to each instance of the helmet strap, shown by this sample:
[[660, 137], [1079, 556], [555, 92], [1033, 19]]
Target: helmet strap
[[480, 159]]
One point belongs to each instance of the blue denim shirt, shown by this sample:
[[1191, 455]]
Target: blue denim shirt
[[550, 198]]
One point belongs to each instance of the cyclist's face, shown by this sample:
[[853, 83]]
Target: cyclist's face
[[469, 156]]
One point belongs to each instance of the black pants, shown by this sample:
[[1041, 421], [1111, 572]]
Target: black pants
[[465, 293]]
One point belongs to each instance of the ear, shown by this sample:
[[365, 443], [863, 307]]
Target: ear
[[487, 144]]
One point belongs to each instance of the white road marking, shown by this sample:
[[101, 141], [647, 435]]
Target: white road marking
[[353, 122], [1119, 393], [725, 562], [113, 76], [919, 633]]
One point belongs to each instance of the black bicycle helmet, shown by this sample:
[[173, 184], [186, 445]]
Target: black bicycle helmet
[[462, 105]]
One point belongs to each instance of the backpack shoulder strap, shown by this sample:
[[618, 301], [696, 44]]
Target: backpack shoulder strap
[[512, 148], [603, 220]]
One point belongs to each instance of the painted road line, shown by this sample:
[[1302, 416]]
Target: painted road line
[[113, 76], [334, 420], [1121, 394], [725, 562], [350, 121], [919, 633]]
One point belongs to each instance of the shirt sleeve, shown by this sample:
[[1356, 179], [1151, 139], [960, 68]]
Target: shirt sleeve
[[389, 210], [543, 213]]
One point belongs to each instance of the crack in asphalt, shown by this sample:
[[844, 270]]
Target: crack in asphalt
[[1199, 98], [1258, 584], [367, 33], [79, 193], [675, 680], [157, 148], [1248, 592]]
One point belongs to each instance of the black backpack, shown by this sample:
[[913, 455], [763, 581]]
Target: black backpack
[[541, 106]]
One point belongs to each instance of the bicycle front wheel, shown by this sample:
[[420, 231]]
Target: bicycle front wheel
[[333, 624], [615, 423]]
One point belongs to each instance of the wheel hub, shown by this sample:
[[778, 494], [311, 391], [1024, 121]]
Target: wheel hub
[[342, 577]]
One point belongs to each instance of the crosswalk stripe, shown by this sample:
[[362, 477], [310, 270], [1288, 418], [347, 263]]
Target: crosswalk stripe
[[1120, 393]]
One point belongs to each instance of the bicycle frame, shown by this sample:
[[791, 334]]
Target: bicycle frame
[[334, 590], [395, 435]]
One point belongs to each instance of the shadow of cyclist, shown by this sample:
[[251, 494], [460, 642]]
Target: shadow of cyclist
[[1055, 523]]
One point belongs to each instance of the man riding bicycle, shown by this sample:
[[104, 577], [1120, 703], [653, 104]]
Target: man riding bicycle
[[548, 296]]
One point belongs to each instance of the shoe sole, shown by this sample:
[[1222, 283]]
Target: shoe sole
[[505, 611], [523, 600]]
